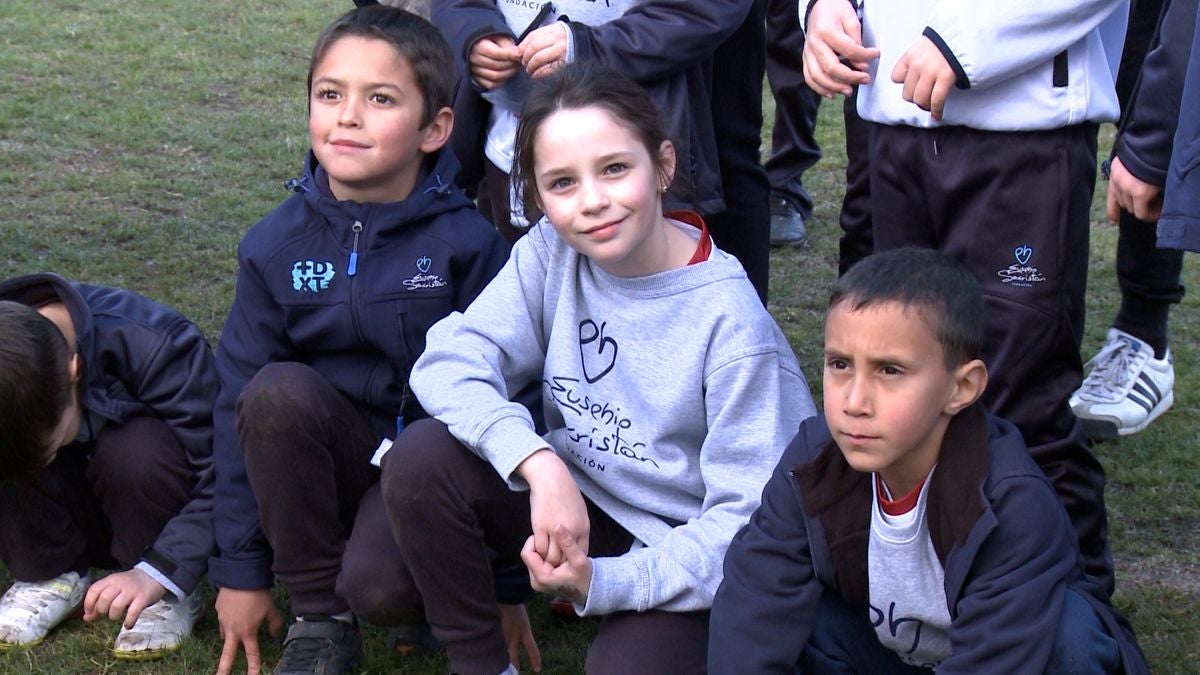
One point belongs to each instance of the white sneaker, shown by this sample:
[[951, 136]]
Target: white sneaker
[[160, 629], [29, 609], [1126, 388]]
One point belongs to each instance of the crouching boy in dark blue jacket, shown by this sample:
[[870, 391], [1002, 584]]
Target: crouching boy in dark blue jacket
[[335, 291], [106, 403], [907, 529]]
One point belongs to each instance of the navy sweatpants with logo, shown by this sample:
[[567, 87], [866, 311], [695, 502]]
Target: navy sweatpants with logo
[[1014, 208]]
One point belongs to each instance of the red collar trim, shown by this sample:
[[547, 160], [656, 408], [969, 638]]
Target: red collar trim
[[705, 246], [901, 506]]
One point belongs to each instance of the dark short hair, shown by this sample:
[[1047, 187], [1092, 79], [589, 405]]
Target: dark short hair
[[35, 387], [413, 38], [947, 296], [581, 85]]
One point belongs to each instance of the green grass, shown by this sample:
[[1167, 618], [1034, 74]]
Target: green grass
[[139, 141]]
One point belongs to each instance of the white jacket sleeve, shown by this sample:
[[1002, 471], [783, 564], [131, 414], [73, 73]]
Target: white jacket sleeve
[[994, 41]]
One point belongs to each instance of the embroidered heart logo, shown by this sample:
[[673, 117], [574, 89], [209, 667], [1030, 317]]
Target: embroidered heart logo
[[1023, 254], [596, 360], [423, 263]]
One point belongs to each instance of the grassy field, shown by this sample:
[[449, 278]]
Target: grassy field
[[139, 141]]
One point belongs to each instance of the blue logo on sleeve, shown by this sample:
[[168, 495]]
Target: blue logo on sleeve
[[311, 276]]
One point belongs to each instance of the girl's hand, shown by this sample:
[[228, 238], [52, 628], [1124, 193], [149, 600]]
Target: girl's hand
[[554, 501], [571, 579], [493, 59], [122, 594], [544, 50]]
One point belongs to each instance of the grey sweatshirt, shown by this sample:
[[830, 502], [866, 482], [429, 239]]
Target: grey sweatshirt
[[669, 397]]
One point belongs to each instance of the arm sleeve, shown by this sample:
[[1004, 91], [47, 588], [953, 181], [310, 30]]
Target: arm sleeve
[[746, 431], [656, 39], [476, 361], [178, 382], [1148, 130], [1008, 613], [463, 22], [764, 610], [993, 42], [253, 336]]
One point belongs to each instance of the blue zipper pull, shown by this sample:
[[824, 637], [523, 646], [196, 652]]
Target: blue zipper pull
[[352, 269]]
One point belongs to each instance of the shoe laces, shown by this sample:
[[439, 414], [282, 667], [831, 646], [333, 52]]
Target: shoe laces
[[1114, 369]]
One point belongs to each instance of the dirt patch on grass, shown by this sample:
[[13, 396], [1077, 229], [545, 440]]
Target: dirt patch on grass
[[1159, 571]]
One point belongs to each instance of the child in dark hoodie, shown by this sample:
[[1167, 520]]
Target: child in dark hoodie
[[335, 291]]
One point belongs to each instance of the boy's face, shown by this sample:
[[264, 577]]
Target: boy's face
[[888, 394], [67, 428], [364, 121]]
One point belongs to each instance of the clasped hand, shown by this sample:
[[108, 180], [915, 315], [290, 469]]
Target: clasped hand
[[570, 578], [495, 58]]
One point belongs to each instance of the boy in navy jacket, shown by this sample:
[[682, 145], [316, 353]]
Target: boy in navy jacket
[[907, 529], [983, 122], [106, 402], [335, 291]]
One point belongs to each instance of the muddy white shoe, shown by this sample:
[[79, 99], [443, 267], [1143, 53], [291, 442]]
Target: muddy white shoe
[[29, 609], [160, 629]]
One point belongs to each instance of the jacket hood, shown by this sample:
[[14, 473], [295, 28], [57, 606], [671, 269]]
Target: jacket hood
[[433, 194], [38, 289]]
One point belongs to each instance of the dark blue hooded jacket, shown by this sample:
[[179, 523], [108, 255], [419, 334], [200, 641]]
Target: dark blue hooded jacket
[[349, 289], [141, 359]]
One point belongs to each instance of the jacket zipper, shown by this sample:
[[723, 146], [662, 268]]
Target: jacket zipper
[[352, 267]]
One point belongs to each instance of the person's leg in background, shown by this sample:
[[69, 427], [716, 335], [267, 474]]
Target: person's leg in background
[[744, 228], [794, 149]]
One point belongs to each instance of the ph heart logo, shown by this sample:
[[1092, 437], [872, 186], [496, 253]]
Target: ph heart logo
[[1023, 254], [597, 351], [423, 264]]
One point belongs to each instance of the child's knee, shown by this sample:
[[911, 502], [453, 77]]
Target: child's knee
[[421, 460], [1083, 644], [377, 593], [277, 400]]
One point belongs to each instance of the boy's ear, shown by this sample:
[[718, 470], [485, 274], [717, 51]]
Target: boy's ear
[[970, 379], [666, 159], [74, 370], [437, 132]]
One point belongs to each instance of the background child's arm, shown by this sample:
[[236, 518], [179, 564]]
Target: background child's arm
[[493, 59], [992, 42], [835, 60], [926, 75], [658, 38], [467, 24]]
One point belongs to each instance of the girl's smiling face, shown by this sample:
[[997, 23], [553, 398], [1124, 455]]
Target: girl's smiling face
[[602, 190]]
